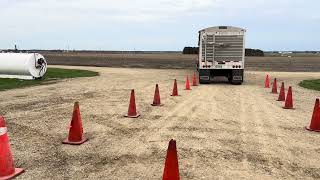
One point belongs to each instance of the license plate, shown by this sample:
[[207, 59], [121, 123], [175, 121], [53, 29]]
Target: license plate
[[237, 77], [219, 66]]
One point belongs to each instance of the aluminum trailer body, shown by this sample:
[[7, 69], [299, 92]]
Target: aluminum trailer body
[[221, 53]]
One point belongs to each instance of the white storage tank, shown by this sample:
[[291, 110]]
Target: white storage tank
[[22, 65]]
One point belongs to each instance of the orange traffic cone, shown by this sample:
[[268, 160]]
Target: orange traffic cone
[[132, 112], [76, 136], [282, 95], [289, 100], [187, 83], [315, 120], [171, 168], [274, 86], [175, 89], [267, 82], [194, 80], [156, 98], [7, 169]]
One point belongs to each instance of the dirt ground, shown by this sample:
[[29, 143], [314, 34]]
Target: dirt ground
[[180, 61], [222, 131]]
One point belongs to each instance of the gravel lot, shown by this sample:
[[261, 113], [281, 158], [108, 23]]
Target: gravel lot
[[222, 131]]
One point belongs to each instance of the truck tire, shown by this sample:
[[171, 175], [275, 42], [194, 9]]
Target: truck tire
[[236, 82], [237, 77], [204, 76]]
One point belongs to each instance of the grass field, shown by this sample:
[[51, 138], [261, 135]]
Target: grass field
[[311, 84], [50, 77]]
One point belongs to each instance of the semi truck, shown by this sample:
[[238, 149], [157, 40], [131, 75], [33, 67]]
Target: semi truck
[[221, 53]]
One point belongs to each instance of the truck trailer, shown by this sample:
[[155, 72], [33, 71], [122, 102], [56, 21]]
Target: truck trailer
[[221, 53]]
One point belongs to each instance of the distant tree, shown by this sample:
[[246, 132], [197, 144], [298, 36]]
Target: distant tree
[[190, 50], [254, 52], [249, 52]]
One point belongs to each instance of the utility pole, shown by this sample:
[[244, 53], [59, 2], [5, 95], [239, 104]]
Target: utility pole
[[15, 48]]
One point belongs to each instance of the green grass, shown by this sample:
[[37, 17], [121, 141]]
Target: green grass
[[311, 84], [51, 76]]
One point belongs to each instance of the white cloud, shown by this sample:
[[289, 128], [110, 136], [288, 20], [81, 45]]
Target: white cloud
[[123, 10], [145, 10], [87, 18]]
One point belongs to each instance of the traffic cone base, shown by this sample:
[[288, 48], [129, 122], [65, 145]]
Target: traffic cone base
[[282, 94], [156, 104], [132, 112], [156, 98], [76, 135], [17, 172], [135, 116], [175, 89], [309, 129], [194, 80], [66, 141], [289, 108], [267, 82], [274, 87], [7, 169], [171, 166], [315, 120], [187, 84], [289, 100]]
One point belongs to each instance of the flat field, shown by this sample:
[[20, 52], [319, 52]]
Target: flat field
[[222, 131], [180, 61]]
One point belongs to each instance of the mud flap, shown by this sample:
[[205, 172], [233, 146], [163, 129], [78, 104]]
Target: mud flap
[[237, 76], [204, 76]]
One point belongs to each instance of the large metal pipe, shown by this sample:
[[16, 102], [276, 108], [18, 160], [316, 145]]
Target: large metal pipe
[[22, 65]]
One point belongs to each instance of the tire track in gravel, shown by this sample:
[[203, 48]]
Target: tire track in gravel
[[258, 159], [157, 129], [244, 116], [196, 139], [281, 140], [171, 117], [164, 122], [267, 125], [194, 112]]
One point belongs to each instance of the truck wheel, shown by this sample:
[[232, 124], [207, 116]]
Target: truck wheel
[[236, 82], [237, 77], [203, 82]]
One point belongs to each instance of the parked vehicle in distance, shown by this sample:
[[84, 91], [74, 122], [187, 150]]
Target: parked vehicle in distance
[[221, 53]]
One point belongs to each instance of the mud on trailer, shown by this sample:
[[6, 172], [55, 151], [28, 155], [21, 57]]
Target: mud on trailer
[[221, 53]]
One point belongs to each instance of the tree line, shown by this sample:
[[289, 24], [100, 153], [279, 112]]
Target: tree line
[[249, 52]]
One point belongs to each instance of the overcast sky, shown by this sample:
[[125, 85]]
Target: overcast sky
[[155, 25]]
